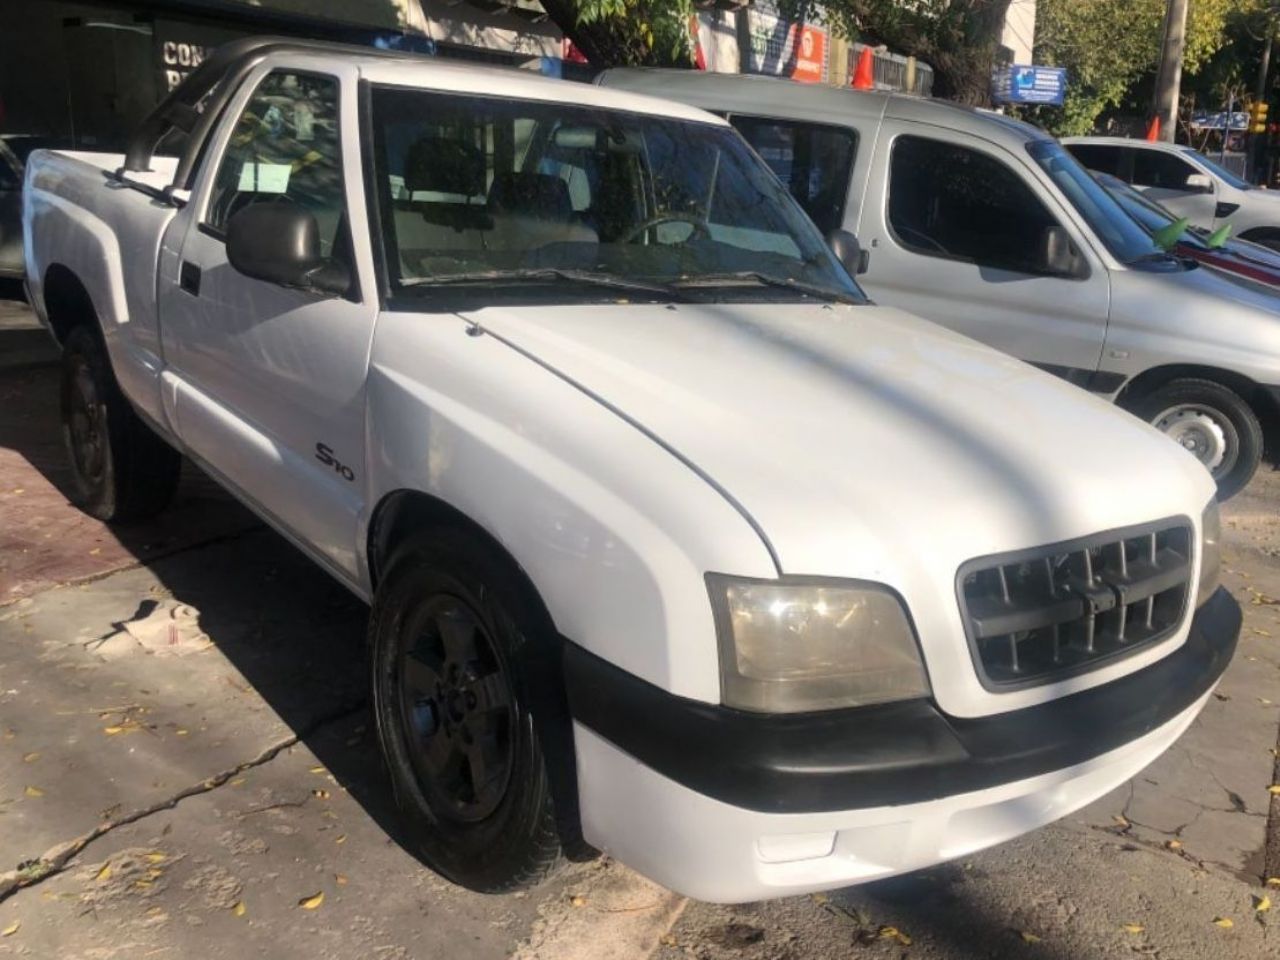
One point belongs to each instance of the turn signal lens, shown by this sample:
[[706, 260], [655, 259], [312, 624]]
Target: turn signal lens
[[1210, 552]]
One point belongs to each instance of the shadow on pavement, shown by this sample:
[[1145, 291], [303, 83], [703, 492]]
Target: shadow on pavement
[[295, 635]]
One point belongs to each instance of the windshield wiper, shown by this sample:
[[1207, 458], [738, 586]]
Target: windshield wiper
[[741, 277], [547, 273]]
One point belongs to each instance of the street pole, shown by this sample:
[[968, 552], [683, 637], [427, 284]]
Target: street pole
[[1258, 156], [1169, 75]]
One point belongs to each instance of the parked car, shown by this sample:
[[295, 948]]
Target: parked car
[[987, 225], [1238, 257], [675, 544], [1190, 184], [14, 150]]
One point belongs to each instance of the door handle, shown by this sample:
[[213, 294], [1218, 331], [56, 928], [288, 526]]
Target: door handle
[[189, 278]]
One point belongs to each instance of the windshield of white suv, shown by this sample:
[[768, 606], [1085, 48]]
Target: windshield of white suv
[[1221, 172], [1119, 231], [484, 191]]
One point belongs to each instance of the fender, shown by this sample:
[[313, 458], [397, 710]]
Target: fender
[[614, 532]]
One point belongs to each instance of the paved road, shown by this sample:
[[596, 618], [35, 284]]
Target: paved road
[[186, 764]]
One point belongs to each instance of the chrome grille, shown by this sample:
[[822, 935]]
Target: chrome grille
[[1048, 613]]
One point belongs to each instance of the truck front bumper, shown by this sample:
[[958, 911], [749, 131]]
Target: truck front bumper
[[729, 806]]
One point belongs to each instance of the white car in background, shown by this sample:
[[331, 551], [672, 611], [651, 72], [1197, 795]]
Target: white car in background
[[1187, 183]]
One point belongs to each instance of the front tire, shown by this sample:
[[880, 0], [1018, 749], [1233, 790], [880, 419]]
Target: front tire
[[1212, 422], [121, 470], [456, 644]]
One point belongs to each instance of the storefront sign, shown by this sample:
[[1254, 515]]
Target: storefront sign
[[1024, 84]]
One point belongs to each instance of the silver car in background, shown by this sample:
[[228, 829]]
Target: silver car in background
[[989, 226]]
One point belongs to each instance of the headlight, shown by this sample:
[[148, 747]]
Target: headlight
[[789, 647], [1210, 552]]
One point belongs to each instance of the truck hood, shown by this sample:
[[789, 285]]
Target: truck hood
[[843, 430], [863, 442]]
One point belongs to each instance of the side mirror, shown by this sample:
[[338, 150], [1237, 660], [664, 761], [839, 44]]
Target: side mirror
[[849, 252], [1058, 255], [280, 243], [1199, 183]]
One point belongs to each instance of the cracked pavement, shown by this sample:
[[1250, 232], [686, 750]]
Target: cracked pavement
[[187, 764]]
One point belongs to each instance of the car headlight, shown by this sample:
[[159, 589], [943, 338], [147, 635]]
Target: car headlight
[[1210, 552], [790, 647]]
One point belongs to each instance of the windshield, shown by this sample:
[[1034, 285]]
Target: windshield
[[1221, 172], [1146, 211], [1119, 231], [478, 189]]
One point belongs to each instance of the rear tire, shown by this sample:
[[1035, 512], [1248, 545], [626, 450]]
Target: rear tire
[[458, 648], [1212, 422], [122, 471]]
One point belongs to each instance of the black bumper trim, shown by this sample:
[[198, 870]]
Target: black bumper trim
[[891, 754]]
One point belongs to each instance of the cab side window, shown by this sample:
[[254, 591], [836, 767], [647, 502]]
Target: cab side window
[[1162, 171], [955, 203], [285, 148], [814, 161], [1099, 158]]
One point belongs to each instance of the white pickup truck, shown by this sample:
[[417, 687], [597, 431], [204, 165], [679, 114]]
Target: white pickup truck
[[675, 544]]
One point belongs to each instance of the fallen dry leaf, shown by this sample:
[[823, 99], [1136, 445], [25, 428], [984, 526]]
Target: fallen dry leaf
[[31, 757], [893, 933], [104, 873], [310, 903], [340, 838], [1262, 904], [112, 731], [1028, 937], [157, 857], [578, 900], [1132, 927], [34, 792], [317, 770], [1273, 881], [1226, 923], [239, 908], [1260, 632], [1174, 844], [11, 929], [340, 879], [95, 551], [1274, 789]]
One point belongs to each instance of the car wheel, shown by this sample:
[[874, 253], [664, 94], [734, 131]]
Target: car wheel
[[1213, 423], [455, 639], [121, 470]]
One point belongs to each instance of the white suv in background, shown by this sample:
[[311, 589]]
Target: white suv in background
[[1186, 182]]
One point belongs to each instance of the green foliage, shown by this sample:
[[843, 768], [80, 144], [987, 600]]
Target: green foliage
[[628, 32], [1108, 47]]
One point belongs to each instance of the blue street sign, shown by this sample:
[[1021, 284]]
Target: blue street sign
[[1025, 84]]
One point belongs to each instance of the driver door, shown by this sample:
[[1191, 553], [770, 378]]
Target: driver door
[[267, 384], [954, 228]]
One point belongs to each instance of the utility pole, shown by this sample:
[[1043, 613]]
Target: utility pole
[[1169, 75], [1258, 171]]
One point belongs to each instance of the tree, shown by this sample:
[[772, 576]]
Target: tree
[[1109, 48], [627, 32], [958, 38]]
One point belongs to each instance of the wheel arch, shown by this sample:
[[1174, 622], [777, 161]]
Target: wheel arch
[[402, 512], [67, 301], [1261, 235], [1263, 403]]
